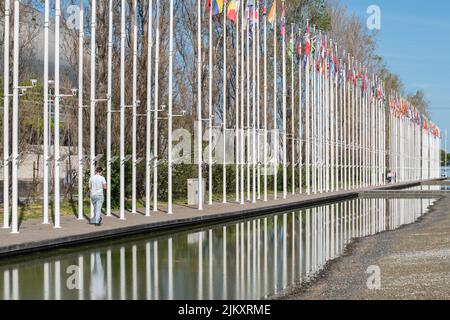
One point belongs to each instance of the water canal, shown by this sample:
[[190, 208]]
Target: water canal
[[253, 258]]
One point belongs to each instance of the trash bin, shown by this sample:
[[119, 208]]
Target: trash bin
[[193, 189]]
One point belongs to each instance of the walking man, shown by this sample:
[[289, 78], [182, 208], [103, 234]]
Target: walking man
[[97, 184]]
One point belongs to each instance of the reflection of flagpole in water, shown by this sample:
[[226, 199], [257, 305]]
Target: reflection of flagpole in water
[[293, 249], [242, 261], [224, 285], [57, 280], [254, 258], [284, 274], [81, 278], [134, 270], [108, 275], [265, 258], [237, 262], [248, 260], [148, 271], [275, 255], [200, 266], [259, 256], [170, 269], [307, 242], [210, 258], [332, 227], [155, 271], [15, 284], [122, 273], [6, 289], [300, 245], [46, 281]]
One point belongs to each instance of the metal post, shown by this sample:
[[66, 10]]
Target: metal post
[[15, 118], [155, 117], [92, 92], [45, 138], [149, 111], [169, 172], [57, 106], [122, 109], [199, 106], [80, 114], [109, 110], [134, 118], [6, 158]]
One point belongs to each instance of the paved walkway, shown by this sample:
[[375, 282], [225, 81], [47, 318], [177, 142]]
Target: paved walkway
[[414, 263], [36, 236]]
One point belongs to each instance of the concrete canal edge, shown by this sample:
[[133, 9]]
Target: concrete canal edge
[[90, 237]]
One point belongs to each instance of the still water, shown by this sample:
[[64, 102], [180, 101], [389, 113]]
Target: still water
[[248, 259], [428, 188]]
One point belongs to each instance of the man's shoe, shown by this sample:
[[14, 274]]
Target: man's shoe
[[99, 223]]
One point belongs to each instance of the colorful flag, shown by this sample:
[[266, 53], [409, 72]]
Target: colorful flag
[[299, 47], [308, 40], [232, 10], [291, 45], [217, 6], [272, 13], [283, 20]]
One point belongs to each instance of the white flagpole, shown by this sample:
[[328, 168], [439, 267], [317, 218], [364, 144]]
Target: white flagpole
[[265, 102], [122, 110], [307, 119], [237, 105], [254, 106], [284, 107], [258, 100], [248, 108], [92, 92], [80, 116], [275, 110], [134, 110], [224, 179], [292, 116], [300, 122], [345, 125], [242, 139], [332, 122], [57, 102], [46, 98], [149, 111], [169, 172], [109, 108], [6, 158], [210, 114], [156, 111], [15, 119]]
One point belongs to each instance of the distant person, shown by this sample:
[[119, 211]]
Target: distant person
[[97, 184]]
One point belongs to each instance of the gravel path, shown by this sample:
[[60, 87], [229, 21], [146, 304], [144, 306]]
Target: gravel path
[[414, 262]]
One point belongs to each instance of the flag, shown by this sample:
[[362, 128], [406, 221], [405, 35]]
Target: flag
[[217, 6], [232, 10], [308, 40], [291, 45], [272, 13], [299, 47]]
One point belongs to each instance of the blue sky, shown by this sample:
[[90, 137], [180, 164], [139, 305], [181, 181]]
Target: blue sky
[[414, 40]]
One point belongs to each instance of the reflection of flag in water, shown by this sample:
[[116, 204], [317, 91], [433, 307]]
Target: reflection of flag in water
[[233, 9]]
